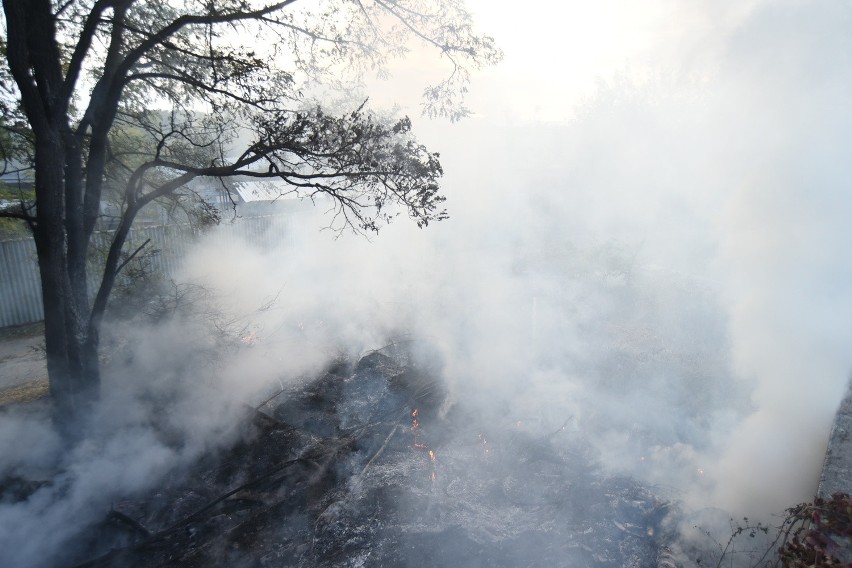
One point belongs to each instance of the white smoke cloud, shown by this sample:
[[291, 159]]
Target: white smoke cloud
[[665, 273]]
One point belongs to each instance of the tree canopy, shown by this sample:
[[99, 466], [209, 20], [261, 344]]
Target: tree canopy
[[141, 97]]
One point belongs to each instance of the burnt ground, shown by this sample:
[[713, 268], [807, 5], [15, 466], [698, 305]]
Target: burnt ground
[[361, 467], [365, 465]]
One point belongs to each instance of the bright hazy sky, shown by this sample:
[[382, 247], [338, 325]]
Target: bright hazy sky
[[557, 53]]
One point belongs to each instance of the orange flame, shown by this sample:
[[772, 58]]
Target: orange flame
[[415, 433], [415, 430]]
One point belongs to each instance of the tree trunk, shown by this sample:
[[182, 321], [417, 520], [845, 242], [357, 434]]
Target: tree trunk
[[61, 241], [72, 360]]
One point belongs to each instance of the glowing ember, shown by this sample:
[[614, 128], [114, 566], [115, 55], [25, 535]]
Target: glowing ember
[[415, 431], [417, 443], [484, 442]]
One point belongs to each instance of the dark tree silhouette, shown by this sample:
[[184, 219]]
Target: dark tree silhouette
[[212, 88]]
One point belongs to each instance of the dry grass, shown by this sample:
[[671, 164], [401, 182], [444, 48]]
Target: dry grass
[[27, 392]]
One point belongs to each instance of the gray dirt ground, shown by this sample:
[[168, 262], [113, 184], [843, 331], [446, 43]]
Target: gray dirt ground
[[22, 364], [23, 377]]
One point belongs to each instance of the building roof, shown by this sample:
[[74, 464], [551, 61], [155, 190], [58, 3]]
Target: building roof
[[251, 191]]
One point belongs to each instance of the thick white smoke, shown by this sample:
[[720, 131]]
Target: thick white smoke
[[691, 211], [663, 269]]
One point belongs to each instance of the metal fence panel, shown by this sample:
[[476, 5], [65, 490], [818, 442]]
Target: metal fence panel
[[20, 284]]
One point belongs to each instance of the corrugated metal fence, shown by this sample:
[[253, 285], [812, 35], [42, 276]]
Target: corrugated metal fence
[[20, 285], [20, 296]]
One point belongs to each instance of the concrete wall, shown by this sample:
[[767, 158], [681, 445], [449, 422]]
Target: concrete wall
[[837, 469]]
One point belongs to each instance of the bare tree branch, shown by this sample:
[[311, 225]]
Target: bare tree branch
[[132, 256]]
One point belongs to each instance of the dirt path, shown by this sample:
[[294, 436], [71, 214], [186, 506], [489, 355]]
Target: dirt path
[[23, 373]]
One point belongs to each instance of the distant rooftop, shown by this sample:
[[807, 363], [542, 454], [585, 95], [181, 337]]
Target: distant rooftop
[[251, 191]]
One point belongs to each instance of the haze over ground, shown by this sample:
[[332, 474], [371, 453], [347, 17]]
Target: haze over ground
[[711, 138]]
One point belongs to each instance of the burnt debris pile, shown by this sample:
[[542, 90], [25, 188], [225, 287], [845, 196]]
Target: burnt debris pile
[[367, 465]]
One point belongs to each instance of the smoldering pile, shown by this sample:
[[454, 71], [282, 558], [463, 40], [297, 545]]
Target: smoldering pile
[[364, 466]]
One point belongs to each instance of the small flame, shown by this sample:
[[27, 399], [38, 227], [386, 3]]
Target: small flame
[[417, 443], [415, 430]]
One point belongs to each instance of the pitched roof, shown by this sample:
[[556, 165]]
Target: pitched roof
[[250, 191]]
